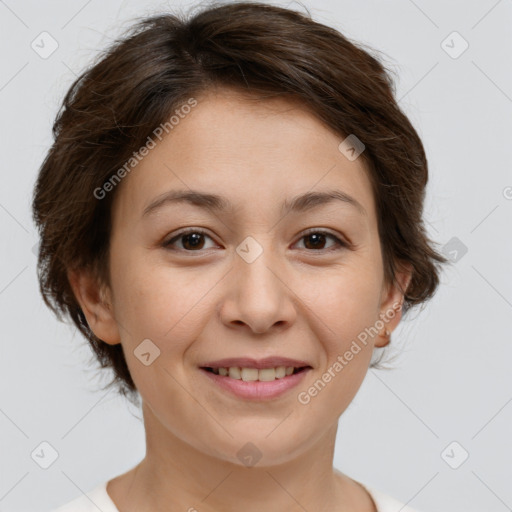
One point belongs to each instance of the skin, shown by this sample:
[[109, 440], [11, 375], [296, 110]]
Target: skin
[[294, 300]]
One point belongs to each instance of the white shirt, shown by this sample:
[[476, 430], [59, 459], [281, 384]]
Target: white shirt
[[99, 499]]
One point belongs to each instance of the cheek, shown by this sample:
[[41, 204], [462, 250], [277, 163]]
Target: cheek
[[164, 304], [347, 308], [347, 305], [347, 302]]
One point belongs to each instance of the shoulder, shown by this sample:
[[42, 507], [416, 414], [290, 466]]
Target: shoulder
[[386, 503], [92, 501]]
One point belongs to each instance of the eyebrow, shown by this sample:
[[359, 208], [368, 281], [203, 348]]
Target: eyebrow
[[216, 203]]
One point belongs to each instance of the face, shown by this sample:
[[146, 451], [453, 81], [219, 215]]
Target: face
[[259, 273]]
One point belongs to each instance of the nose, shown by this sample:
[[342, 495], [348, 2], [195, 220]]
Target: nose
[[258, 297]]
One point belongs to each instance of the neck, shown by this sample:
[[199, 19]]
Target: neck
[[176, 475]]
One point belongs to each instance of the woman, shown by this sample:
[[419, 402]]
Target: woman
[[231, 214]]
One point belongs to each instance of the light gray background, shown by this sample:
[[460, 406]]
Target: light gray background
[[453, 380]]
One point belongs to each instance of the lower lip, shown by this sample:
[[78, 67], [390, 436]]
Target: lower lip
[[257, 390]]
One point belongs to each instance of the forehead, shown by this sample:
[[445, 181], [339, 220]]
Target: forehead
[[253, 151]]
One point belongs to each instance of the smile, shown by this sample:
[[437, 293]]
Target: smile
[[256, 384]]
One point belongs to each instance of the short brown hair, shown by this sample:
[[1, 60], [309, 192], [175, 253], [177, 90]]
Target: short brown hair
[[112, 107]]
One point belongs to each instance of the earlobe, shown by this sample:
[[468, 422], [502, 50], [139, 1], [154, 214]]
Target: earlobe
[[95, 301]]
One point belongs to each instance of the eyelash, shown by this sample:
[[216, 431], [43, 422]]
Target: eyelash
[[340, 244]]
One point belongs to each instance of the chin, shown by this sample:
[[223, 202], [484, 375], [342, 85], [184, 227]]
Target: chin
[[254, 447]]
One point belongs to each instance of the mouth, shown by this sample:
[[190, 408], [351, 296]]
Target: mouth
[[256, 380]]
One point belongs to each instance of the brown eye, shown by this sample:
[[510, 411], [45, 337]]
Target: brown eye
[[316, 240], [192, 240]]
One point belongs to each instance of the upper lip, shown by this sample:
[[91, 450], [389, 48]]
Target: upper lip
[[249, 362]]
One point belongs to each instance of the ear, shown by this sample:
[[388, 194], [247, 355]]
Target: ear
[[96, 303], [392, 299]]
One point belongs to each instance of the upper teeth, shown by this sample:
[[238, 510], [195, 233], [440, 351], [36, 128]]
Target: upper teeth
[[251, 374]]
